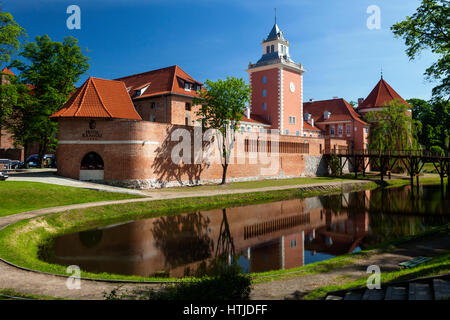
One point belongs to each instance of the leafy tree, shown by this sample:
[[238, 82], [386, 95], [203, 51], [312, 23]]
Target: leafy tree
[[429, 27], [52, 70], [435, 118], [10, 34], [392, 128], [222, 107]]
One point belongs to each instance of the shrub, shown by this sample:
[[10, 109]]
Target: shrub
[[229, 284], [334, 166]]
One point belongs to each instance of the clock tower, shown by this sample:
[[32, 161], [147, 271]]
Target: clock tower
[[277, 86]]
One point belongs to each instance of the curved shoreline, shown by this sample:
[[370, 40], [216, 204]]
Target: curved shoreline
[[11, 220]]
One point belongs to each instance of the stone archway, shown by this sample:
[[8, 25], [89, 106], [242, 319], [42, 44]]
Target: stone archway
[[92, 167]]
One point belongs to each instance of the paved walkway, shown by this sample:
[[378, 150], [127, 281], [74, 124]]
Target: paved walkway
[[49, 176]]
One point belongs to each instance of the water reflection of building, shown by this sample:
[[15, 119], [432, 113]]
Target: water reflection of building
[[270, 236]]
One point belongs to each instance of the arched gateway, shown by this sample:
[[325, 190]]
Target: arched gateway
[[92, 167]]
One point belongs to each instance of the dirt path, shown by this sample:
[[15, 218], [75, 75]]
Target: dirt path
[[295, 288]]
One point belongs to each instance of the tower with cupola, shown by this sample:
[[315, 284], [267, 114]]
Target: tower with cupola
[[277, 86]]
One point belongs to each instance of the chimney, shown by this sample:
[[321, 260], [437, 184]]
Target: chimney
[[360, 100], [247, 112]]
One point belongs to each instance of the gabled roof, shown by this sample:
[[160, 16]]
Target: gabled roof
[[307, 126], [340, 110], [7, 71], [256, 119], [162, 81], [99, 98], [381, 95]]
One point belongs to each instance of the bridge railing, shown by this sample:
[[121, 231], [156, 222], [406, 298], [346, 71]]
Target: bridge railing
[[387, 153]]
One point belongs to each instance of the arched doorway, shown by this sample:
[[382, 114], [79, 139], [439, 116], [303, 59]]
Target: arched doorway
[[92, 167]]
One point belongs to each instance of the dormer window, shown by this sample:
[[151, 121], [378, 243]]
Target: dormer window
[[326, 115], [187, 86]]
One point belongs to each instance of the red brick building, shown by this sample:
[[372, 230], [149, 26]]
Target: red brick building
[[124, 131]]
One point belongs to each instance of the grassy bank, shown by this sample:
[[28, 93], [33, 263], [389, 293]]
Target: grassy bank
[[9, 294], [436, 266], [20, 196], [24, 242]]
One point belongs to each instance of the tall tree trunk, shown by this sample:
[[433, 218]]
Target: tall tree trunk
[[224, 173]]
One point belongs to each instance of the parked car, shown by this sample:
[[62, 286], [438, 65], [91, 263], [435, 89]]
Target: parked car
[[49, 161], [5, 164], [3, 175], [16, 164]]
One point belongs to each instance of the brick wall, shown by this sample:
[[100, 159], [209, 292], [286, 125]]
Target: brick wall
[[141, 150]]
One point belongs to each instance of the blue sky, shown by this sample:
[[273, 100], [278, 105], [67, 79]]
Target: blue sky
[[215, 39]]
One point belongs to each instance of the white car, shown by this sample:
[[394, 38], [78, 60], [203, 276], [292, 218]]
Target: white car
[[3, 175]]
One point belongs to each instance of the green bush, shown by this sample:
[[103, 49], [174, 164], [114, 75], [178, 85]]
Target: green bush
[[229, 284], [334, 165]]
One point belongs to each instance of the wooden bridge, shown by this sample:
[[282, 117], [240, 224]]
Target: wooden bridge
[[385, 161]]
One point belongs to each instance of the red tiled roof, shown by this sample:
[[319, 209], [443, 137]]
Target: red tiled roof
[[99, 98], [307, 126], [254, 118], [6, 70], [381, 95], [340, 110], [162, 81]]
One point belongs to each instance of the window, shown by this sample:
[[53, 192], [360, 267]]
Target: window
[[264, 106], [272, 48], [264, 93], [332, 130], [367, 130], [297, 133], [304, 134], [287, 131], [293, 243], [310, 134], [153, 105], [268, 49], [187, 121], [187, 107], [152, 118], [242, 128], [349, 130], [264, 79], [261, 130], [293, 120], [187, 86], [249, 128], [268, 118], [340, 130], [290, 120]]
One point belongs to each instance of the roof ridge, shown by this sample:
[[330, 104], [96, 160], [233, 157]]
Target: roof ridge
[[101, 101], [83, 96], [137, 74]]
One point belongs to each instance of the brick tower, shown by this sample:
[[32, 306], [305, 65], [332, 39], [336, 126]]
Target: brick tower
[[277, 86]]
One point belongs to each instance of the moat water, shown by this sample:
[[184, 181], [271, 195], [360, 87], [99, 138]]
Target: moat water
[[261, 237]]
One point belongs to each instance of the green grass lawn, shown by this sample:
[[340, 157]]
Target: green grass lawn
[[18, 196]]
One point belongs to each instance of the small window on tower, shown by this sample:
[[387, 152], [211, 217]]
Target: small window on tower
[[264, 79], [272, 48], [187, 106], [267, 49], [264, 106], [264, 93]]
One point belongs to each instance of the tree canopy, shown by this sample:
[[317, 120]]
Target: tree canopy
[[435, 118], [393, 128], [223, 103], [429, 28], [51, 69], [10, 34]]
